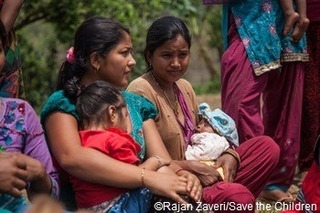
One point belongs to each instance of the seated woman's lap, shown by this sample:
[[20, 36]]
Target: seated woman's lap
[[227, 192], [259, 156]]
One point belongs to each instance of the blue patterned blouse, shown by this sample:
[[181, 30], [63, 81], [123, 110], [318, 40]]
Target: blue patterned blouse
[[260, 26]]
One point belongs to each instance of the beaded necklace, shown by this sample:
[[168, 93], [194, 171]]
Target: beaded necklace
[[174, 106]]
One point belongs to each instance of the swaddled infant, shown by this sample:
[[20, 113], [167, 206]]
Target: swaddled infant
[[215, 133]]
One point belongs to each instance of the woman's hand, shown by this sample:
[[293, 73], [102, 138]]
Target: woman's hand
[[35, 170], [40, 181], [206, 174], [172, 187], [13, 173], [162, 161], [229, 165], [194, 188]]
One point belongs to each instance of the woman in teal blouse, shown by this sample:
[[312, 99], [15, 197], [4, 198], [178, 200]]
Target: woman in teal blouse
[[107, 55]]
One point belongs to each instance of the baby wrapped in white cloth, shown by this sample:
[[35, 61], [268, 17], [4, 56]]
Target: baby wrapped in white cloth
[[214, 134]]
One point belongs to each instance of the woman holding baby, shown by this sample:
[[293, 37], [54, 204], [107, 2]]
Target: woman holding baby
[[246, 168]]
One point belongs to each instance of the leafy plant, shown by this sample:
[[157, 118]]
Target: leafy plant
[[46, 29]]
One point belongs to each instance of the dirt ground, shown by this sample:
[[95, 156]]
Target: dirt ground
[[213, 100]]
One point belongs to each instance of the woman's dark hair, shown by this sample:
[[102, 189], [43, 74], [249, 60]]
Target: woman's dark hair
[[3, 34], [162, 30], [93, 100], [96, 34]]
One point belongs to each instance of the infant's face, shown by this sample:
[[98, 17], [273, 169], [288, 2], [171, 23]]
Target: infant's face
[[204, 126]]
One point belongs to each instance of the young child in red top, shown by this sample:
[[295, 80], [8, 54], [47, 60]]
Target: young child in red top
[[103, 114]]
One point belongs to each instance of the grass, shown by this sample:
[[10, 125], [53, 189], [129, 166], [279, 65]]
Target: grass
[[210, 87]]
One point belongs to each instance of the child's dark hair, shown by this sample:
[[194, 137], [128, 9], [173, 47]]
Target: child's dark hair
[[3, 34], [93, 100], [96, 34], [162, 30]]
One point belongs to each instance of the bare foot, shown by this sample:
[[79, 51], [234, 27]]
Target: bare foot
[[300, 28], [291, 18], [276, 195]]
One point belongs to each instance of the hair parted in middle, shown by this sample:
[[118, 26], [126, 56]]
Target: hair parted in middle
[[162, 30]]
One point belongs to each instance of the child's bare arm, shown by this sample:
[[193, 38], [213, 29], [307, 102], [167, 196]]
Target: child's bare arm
[[301, 7], [303, 22], [9, 13], [287, 6]]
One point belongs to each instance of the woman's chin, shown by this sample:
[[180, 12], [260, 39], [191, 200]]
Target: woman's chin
[[123, 84]]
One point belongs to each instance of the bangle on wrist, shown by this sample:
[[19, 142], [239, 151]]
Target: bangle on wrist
[[142, 176], [179, 170], [159, 161]]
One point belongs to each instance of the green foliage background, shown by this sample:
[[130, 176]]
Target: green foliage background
[[46, 28]]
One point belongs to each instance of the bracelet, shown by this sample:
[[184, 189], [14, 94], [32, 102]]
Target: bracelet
[[179, 171], [159, 161], [142, 175]]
